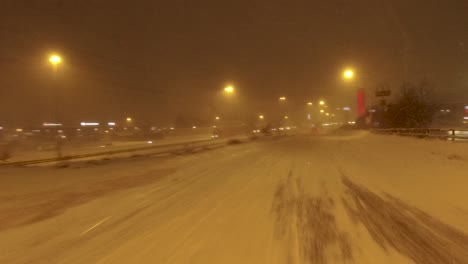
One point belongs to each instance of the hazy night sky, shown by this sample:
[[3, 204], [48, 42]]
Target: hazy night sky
[[154, 59]]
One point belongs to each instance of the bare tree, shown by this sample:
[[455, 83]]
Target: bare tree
[[415, 107]]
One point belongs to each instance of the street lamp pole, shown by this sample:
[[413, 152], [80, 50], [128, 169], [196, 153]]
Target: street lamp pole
[[233, 110], [55, 60], [283, 108]]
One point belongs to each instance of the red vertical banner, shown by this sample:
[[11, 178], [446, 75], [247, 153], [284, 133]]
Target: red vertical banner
[[360, 102]]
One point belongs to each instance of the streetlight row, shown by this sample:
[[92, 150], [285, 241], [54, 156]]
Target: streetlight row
[[347, 74], [309, 103], [55, 60], [230, 90]]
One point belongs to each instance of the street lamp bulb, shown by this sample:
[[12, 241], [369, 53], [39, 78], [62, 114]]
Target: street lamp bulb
[[322, 102], [229, 89], [261, 116], [282, 98], [348, 74], [322, 111], [217, 118], [129, 119], [286, 117], [55, 59], [309, 103]]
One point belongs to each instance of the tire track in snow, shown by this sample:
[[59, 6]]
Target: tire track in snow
[[308, 222], [408, 230]]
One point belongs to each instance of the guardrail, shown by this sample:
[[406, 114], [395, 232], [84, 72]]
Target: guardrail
[[440, 133], [154, 150]]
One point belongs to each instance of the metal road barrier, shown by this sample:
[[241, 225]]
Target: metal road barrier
[[153, 150], [439, 133]]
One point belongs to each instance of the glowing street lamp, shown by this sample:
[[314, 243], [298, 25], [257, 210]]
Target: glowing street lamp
[[282, 98], [322, 111], [55, 59], [286, 117], [309, 103], [217, 118], [229, 89], [321, 102], [129, 119], [348, 74], [261, 117]]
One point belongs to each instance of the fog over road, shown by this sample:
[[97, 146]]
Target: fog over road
[[349, 197]]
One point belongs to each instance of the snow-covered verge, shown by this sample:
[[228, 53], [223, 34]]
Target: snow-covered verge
[[431, 174]]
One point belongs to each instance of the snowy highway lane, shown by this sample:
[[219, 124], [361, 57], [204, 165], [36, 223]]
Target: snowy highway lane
[[349, 197]]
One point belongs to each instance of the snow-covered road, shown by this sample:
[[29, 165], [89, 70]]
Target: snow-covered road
[[349, 197]]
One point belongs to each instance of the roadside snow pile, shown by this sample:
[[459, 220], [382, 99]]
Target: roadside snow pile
[[392, 144], [451, 150]]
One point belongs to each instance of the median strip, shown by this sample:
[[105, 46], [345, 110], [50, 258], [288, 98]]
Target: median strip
[[167, 148]]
